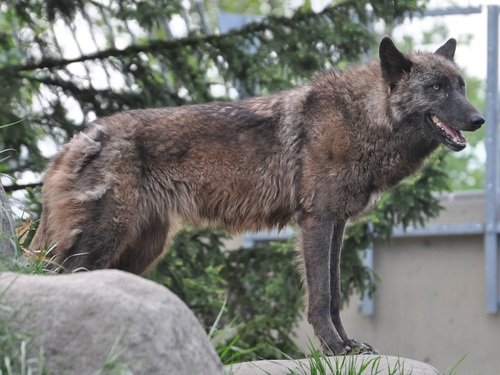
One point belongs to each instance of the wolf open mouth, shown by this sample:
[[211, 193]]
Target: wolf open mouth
[[450, 137]]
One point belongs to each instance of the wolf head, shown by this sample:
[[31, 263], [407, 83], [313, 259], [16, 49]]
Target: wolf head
[[427, 90]]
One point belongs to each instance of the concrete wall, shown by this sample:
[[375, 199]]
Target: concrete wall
[[429, 304]]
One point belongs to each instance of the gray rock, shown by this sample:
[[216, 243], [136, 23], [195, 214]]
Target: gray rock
[[94, 322], [7, 243], [375, 364]]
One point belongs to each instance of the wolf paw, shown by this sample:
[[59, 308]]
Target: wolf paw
[[354, 347]]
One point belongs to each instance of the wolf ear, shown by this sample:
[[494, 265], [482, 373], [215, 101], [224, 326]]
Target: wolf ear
[[392, 61], [448, 49]]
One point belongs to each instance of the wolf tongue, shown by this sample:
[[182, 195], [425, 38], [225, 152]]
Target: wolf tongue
[[455, 134]]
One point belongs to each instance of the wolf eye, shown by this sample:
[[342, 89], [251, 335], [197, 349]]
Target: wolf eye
[[436, 87]]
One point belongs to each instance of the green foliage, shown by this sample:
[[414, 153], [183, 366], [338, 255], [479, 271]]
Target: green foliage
[[254, 7], [257, 289], [194, 269], [264, 295]]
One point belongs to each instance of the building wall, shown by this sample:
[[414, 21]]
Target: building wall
[[429, 303]]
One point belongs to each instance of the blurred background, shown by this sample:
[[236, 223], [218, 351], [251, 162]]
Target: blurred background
[[420, 272]]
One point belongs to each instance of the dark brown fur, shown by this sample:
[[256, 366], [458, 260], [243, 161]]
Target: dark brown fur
[[315, 155]]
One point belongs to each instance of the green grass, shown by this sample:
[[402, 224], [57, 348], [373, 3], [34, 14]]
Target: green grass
[[317, 363], [453, 369], [225, 340], [346, 365], [14, 357]]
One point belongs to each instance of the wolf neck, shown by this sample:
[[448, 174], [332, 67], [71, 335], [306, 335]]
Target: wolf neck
[[359, 112]]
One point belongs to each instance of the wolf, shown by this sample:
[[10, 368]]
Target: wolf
[[314, 155]]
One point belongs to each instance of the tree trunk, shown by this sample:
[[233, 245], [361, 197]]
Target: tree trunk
[[7, 236]]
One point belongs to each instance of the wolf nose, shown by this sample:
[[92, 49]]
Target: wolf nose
[[476, 120]]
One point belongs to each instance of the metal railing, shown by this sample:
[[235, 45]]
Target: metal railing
[[492, 188]]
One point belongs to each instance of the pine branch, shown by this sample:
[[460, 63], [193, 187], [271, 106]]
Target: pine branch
[[15, 187], [189, 41]]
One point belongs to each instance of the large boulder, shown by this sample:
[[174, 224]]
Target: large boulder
[[101, 321]]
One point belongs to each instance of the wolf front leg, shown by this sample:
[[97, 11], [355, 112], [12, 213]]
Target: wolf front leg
[[335, 301], [335, 293], [317, 233]]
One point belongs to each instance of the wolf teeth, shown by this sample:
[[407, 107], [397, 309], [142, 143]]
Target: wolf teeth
[[455, 134], [436, 121]]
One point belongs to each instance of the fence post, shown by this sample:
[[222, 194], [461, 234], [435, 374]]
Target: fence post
[[492, 194]]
